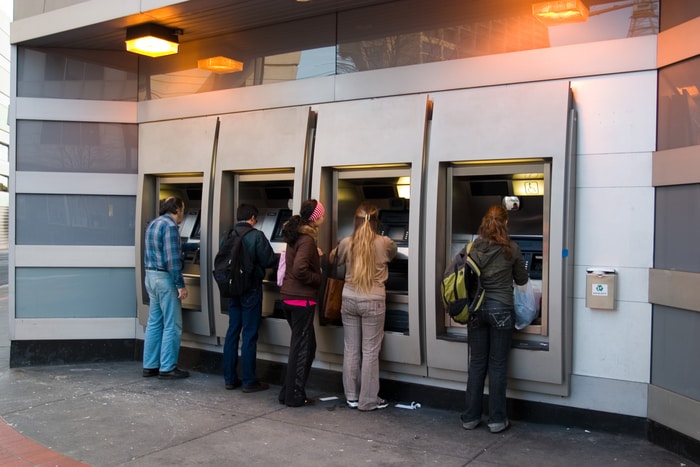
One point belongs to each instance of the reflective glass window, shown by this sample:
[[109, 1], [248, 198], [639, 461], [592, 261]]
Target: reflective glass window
[[675, 12], [52, 219], [387, 35], [76, 74], [75, 293], [678, 110], [45, 146], [283, 52]]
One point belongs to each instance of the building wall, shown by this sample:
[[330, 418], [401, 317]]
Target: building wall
[[615, 89], [4, 126], [674, 279]]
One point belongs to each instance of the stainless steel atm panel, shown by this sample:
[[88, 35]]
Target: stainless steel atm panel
[[495, 135], [175, 159], [363, 145], [262, 159]]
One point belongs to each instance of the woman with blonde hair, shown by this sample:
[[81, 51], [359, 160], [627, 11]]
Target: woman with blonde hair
[[366, 255], [490, 328]]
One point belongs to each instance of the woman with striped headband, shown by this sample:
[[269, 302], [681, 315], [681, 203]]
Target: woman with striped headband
[[299, 293]]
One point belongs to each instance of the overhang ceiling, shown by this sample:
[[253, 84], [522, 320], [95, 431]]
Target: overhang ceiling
[[201, 19]]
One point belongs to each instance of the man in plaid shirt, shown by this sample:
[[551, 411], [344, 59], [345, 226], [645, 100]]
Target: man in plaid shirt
[[166, 288]]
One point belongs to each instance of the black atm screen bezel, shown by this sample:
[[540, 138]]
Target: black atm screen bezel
[[394, 224], [398, 233], [282, 217]]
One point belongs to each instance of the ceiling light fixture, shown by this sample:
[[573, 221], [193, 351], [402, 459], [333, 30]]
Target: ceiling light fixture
[[403, 187], [220, 64], [152, 40], [557, 12]]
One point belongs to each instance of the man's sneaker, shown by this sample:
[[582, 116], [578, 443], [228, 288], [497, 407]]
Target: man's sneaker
[[472, 424], [499, 426], [259, 386], [175, 373], [352, 404], [381, 404], [148, 372], [235, 385]]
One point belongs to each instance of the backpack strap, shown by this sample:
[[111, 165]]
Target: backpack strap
[[234, 231], [247, 231]]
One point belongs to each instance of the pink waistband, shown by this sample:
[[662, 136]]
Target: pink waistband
[[299, 302]]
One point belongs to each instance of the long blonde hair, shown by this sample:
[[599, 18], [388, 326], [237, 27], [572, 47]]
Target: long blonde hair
[[362, 249]]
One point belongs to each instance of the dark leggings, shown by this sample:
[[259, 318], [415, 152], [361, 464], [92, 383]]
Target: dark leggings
[[302, 350]]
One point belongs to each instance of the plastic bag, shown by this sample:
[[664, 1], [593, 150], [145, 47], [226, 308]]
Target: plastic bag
[[281, 268], [525, 308]]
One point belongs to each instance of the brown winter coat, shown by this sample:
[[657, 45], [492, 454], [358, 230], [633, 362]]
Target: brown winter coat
[[302, 278]]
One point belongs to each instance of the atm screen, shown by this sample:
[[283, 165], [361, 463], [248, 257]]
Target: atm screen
[[283, 217], [397, 233], [394, 224], [197, 227]]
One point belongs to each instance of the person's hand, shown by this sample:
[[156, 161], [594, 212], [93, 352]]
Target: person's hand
[[320, 252], [182, 293]]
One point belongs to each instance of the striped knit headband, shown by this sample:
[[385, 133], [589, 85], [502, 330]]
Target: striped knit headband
[[319, 210]]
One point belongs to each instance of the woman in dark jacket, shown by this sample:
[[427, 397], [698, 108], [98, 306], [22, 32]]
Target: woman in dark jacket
[[490, 328], [299, 293]]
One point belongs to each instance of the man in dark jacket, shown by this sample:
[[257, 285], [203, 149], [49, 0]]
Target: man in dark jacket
[[245, 312]]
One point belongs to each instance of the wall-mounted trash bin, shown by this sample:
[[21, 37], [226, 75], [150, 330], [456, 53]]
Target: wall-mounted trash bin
[[600, 288]]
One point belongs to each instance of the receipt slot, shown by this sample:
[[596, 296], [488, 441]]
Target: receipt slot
[[600, 289]]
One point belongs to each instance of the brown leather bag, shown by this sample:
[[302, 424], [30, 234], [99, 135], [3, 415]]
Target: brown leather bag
[[333, 291], [333, 299]]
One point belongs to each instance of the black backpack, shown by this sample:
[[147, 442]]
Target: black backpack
[[234, 270]]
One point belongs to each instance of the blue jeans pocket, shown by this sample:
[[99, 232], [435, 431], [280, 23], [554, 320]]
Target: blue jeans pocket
[[501, 319]]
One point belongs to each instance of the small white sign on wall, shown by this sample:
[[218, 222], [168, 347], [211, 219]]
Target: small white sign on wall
[[599, 290]]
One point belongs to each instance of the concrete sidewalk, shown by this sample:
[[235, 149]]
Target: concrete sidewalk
[[107, 414]]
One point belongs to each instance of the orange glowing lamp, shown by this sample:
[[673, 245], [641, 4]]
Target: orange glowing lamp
[[557, 12]]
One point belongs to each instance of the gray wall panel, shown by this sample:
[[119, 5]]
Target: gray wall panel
[[677, 228], [674, 365]]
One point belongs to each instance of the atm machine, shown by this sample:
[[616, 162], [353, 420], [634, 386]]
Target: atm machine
[[260, 160], [175, 160], [374, 150], [512, 146], [380, 187], [472, 193], [189, 189], [273, 198]]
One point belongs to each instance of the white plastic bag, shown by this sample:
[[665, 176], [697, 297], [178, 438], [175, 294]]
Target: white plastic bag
[[281, 268], [525, 308]]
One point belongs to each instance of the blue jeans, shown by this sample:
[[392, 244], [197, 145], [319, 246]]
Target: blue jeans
[[244, 315], [161, 345], [490, 330]]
